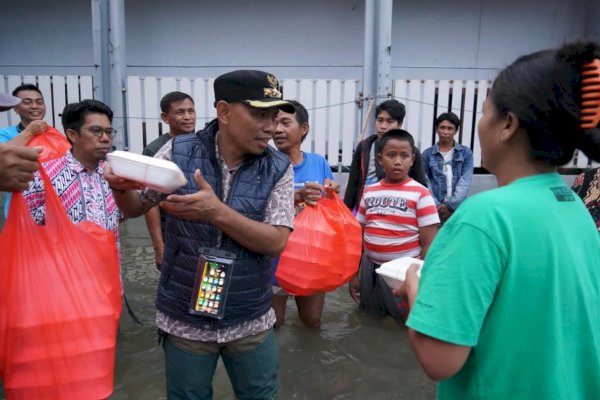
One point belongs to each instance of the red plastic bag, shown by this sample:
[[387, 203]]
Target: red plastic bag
[[54, 144], [341, 218], [323, 251], [60, 303]]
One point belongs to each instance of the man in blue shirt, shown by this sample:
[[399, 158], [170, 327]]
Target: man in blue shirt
[[17, 163], [312, 178], [31, 108], [32, 111]]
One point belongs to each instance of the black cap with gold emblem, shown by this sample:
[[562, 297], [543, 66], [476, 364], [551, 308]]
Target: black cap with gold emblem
[[256, 88]]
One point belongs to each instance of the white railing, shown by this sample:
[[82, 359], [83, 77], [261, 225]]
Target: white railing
[[335, 108], [58, 91], [333, 114], [425, 99]]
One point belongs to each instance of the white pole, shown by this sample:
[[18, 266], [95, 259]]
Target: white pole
[[118, 66]]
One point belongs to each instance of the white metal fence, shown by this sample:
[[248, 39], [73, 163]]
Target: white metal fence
[[57, 90], [335, 108], [333, 113]]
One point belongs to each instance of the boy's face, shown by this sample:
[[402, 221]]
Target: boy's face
[[396, 158], [384, 122]]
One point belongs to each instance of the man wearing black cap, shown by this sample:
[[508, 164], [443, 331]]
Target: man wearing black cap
[[17, 163], [239, 198]]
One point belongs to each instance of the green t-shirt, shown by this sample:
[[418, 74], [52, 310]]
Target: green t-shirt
[[515, 275]]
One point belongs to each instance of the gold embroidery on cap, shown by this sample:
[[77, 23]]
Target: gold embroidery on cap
[[272, 92], [273, 81], [264, 104]]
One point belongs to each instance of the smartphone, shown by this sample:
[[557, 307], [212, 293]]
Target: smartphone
[[211, 285]]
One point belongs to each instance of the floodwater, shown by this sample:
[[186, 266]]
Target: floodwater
[[352, 356]]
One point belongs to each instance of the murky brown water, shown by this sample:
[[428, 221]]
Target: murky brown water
[[352, 357]]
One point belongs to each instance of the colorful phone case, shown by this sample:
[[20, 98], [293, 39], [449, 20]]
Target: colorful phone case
[[212, 283]]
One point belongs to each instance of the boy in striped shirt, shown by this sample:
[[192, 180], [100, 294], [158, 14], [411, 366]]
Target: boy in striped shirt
[[399, 219]]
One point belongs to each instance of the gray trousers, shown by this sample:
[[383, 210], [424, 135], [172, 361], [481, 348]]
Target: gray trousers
[[376, 297]]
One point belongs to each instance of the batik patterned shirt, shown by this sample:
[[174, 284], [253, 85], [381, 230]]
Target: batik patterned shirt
[[84, 194]]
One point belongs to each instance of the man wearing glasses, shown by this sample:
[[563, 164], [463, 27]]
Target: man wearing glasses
[[77, 176]]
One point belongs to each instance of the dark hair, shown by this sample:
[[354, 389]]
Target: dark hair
[[543, 90], [301, 114], [393, 107], [416, 172], [171, 98], [73, 115], [450, 117], [26, 86]]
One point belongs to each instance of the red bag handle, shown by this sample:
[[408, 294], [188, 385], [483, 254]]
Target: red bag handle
[[53, 143]]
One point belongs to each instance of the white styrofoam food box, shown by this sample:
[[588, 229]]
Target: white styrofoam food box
[[160, 175], [394, 272]]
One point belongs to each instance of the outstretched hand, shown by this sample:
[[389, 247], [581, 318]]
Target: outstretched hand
[[310, 193], [17, 165], [204, 205], [409, 288], [331, 187], [35, 128], [119, 183]]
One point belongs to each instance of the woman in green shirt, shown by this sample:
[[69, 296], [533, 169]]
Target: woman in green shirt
[[508, 305]]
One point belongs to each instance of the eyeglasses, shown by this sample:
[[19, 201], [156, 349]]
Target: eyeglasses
[[98, 131]]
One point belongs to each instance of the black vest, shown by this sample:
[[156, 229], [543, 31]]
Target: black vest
[[250, 290]]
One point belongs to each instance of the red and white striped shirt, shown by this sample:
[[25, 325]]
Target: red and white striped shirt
[[392, 214]]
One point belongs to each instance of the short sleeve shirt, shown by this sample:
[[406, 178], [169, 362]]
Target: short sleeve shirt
[[515, 275], [393, 214]]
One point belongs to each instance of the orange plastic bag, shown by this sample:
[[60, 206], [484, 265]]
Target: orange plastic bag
[[341, 218], [323, 251], [60, 303], [54, 144]]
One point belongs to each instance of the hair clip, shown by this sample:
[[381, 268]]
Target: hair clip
[[589, 112]]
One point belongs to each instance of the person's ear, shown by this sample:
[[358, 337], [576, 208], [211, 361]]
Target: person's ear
[[379, 158], [510, 127], [163, 116], [223, 112], [73, 135], [304, 129]]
